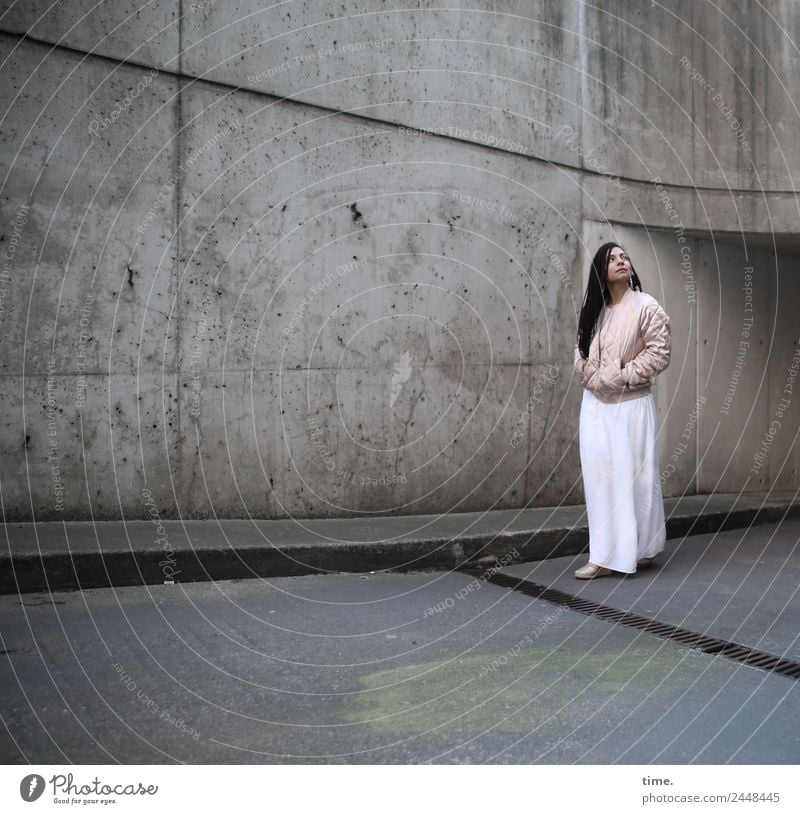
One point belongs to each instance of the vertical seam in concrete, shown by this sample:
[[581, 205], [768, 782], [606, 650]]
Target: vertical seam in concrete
[[692, 98], [698, 478], [773, 293], [179, 141], [697, 371], [583, 67], [529, 445], [700, 414], [583, 63]]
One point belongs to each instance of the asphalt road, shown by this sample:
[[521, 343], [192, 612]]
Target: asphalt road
[[410, 668]]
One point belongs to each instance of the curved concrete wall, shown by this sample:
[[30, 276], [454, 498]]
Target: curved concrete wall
[[306, 261]]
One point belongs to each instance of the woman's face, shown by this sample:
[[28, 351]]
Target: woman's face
[[619, 266]]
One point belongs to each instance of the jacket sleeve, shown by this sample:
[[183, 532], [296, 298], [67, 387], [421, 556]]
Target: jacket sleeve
[[654, 358]]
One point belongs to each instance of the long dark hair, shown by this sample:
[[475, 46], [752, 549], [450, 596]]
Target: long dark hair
[[597, 295]]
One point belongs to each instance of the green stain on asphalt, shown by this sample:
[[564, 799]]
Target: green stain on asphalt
[[531, 689]]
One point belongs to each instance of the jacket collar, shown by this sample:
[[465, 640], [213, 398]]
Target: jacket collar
[[625, 298]]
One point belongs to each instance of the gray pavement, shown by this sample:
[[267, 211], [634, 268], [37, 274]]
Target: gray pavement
[[409, 668], [58, 556], [742, 587]]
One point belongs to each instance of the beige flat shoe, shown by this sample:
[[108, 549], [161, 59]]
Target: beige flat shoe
[[590, 571]]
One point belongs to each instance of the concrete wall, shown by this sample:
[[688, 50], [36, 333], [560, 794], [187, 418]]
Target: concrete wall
[[238, 280]]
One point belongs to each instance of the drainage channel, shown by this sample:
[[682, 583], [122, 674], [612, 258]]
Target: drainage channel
[[688, 638]]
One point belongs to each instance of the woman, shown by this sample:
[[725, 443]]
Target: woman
[[623, 343]]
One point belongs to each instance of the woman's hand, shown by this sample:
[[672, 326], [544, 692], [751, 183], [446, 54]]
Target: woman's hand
[[610, 378], [585, 368]]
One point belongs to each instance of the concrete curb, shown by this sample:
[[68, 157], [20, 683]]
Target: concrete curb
[[62, 556]]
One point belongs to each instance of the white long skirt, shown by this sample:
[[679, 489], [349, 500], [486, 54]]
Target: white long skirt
[[619, 459]]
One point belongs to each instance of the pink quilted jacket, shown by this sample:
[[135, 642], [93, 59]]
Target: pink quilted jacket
[[630, 346]]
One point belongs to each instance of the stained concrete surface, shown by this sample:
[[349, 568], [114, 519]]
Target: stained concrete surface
[[196, 170]]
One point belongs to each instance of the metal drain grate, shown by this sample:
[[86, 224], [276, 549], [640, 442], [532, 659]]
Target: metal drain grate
[[688, 638]]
